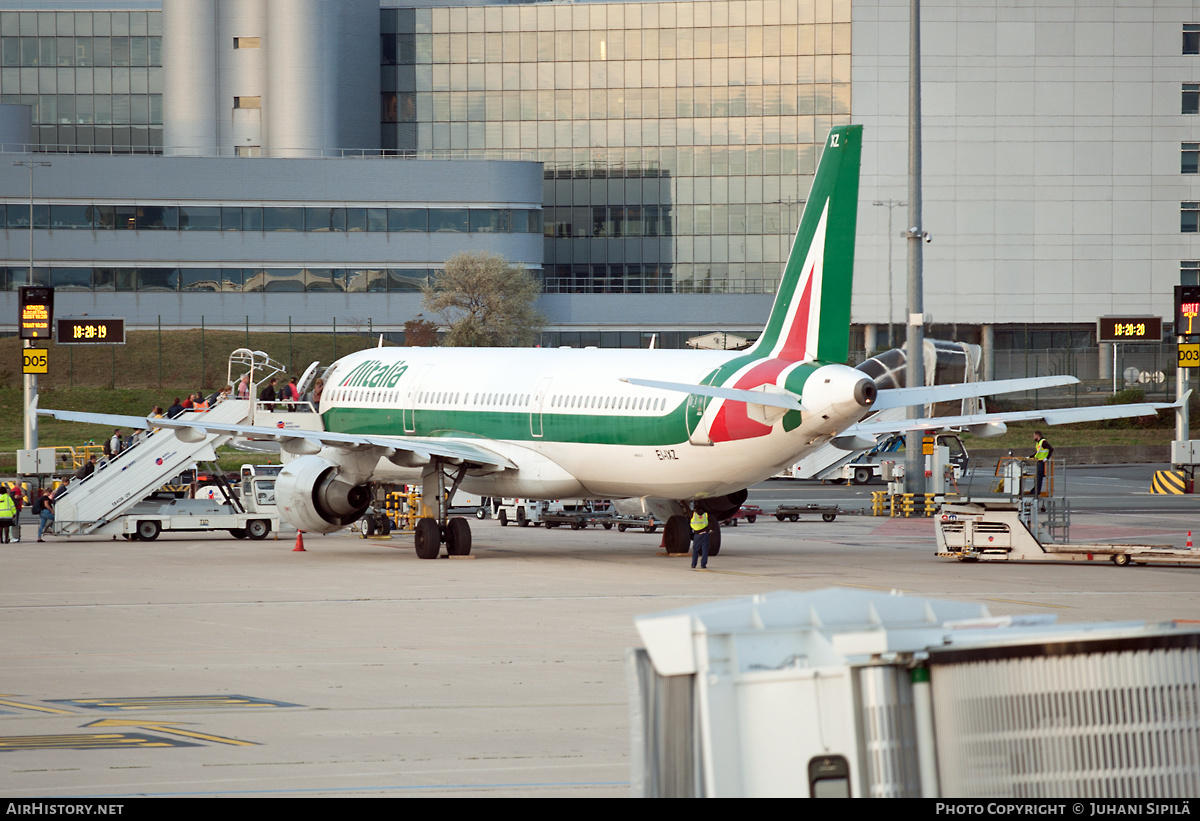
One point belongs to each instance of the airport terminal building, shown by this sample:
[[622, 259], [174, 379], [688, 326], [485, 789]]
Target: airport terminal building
[[302, 160]]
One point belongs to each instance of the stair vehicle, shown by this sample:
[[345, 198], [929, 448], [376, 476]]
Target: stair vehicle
[[113, 499]]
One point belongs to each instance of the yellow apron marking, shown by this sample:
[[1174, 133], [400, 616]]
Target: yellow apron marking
[[168, 727]]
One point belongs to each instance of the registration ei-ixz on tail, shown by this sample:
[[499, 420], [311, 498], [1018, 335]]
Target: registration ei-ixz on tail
[[685, 428]]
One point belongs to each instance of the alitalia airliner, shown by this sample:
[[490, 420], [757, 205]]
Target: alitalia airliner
[[689, 428]]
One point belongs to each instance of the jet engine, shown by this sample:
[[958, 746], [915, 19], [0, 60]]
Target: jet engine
[[314, 495], [722, 507]]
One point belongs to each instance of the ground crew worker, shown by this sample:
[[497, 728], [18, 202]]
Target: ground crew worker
[[8, 512], [1041, 452], [700, 538]]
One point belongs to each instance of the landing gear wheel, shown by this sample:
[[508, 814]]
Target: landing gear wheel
[[368, 527], [384, 526], [503, 517], [458, 537], [714, 541], [676, 536], [148, 531], [257, 529], [1120, 559], [428, 538], [826, 517], [237, 532], [862, 476]]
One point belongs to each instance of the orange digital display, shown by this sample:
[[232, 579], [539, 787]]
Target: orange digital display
[[36, 312], [89, 331], [1187, 310], [1130, 329]]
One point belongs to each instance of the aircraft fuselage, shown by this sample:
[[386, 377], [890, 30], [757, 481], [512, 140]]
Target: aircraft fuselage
[[575, 429]]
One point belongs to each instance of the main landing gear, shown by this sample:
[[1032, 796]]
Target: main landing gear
[[434, 531], [678, 536]]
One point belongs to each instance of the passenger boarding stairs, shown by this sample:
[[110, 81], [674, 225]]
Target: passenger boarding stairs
[[120, 482]]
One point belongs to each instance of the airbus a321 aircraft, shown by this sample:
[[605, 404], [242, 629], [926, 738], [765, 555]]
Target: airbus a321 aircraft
[[695, 428]]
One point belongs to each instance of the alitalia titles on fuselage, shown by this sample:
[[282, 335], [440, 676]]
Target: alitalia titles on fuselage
[[374, 374]]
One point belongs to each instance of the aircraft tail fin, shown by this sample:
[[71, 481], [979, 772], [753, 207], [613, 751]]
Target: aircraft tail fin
[[811, 315]]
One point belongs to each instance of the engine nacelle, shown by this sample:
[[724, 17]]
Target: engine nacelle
[[313, 495], [722, 507]]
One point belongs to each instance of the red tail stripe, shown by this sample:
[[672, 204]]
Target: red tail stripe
[[795, 345]]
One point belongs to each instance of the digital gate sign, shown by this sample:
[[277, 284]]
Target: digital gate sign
[[37, 312]]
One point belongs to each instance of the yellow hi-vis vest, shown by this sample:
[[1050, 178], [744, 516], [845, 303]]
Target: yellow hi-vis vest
[[699, 521], [1042, 453]]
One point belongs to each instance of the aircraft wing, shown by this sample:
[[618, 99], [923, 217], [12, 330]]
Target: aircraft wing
[[1062, 416], [902, 397], [418, 446]]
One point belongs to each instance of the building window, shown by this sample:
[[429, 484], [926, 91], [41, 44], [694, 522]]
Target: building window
[[1191, 38], [1189, 272], [247, 42], [247, 150], [1189, 158], [256, 102], [1189, 217], [1191, 98]]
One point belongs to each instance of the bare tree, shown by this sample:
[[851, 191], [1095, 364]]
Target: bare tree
[[486, 302]]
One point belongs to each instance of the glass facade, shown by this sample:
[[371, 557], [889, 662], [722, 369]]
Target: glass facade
[[94, 79], [224, 280], [270, 218], [678, 138]]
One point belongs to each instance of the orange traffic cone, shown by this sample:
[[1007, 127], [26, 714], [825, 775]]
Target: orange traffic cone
[[1189, 544], [299, 548]]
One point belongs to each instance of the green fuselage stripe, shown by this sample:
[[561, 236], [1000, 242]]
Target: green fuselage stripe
[[514, 426]]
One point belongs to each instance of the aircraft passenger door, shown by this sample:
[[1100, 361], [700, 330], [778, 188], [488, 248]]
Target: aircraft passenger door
[[694, 412], [408, 409], [535, 409]]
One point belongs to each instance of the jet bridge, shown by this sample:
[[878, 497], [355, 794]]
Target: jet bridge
[[122, 481]]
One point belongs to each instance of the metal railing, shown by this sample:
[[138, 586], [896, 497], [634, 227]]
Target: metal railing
[[275, 152]]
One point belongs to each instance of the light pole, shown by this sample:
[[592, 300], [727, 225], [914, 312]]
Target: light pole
[[890, 205], [914, 462], [30, 380]]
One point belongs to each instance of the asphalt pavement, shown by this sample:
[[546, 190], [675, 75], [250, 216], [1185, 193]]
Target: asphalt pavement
[[215, 667]]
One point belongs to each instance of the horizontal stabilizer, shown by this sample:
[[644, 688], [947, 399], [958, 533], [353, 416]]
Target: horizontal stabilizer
[[786, 401], [903, 397], [1063, 416]]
